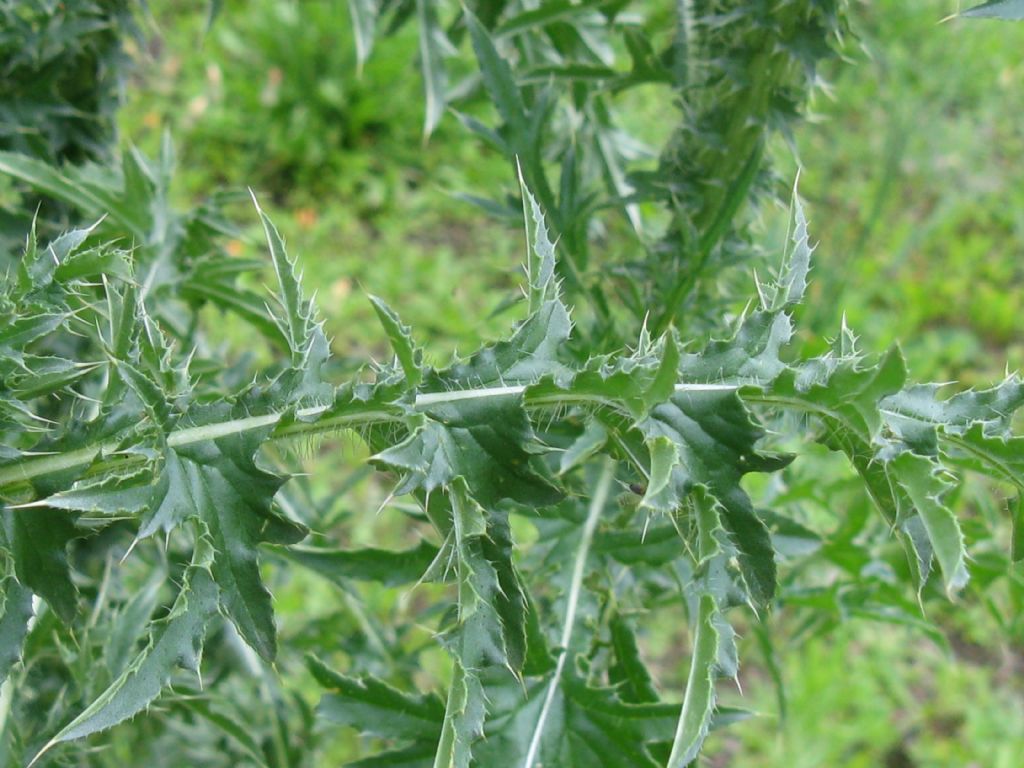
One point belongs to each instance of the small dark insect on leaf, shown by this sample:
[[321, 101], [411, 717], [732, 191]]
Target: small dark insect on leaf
[[638, 489]]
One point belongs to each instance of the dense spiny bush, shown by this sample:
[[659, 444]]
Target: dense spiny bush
[[572, 484], [150, 452]]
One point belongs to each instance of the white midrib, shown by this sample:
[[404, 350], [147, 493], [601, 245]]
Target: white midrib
[[40, 465], [579, 567]]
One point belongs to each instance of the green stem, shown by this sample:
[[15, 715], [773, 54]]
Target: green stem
[[16, 477], [579, 569]]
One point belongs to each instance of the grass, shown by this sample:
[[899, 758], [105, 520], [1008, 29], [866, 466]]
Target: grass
[[878, 697], [914, 192], [915, 197]]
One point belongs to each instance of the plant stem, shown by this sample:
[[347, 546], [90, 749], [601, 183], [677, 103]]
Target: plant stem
[[579, 568], [17, 475]]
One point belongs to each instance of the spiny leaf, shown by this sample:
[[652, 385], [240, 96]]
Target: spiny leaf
[[177, 641], [298, 324], [750, 356], [540, 258], [112, 494], [796, 263], [482, 636], [848, 398], [17, 611], [661, 494], [997, 457], [917, 415], [490, 444], [218, 482], [38, 539], [715, 440], [921, 481], [714, 650], [46, 375], [410, 357], [586, 726], [156, 401], [695, 719], [76, 188]]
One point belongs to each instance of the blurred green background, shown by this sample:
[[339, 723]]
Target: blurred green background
[[915, 194]]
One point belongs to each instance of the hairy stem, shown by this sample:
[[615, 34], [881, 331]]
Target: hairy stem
[[15, 477]]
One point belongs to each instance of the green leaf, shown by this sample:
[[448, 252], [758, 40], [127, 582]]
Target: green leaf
[[843, 394], [372, 707], [655, 546], [715, 441], [238, 731], [219, 483], [499, 81], [74, 187], [410, 357], [628, 672], [17, 611], [540, 258], [364, 19], [131, 623], [997, 457], [714, 649], [663, 384], [750, 356], [509, 596], [920, 418], [698, 704], [176, 642], [46, 375], [434, 46], [22, 331], [387, 567], [796, 263], [482, 635], [38, 539], [550, 12], [920, 479], [1012, 10], [216, 481], [586, 726], [661, 494], [489, 443], [593, 439], [298, 323]]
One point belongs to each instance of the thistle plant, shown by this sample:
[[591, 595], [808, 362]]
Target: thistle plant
[[157, 475], [564, 491]]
